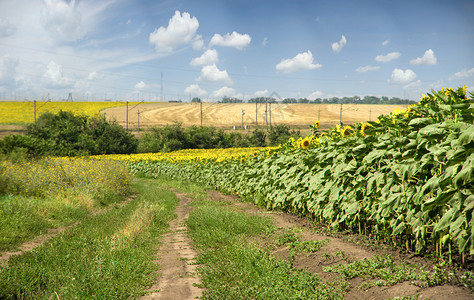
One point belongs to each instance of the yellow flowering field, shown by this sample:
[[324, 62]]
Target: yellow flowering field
[[52, 176], [189, 155], [23, 112]]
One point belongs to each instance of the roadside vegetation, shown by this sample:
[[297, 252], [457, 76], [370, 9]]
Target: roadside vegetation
[[106, 256], [49, 193]]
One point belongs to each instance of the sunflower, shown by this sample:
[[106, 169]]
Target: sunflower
[[305, 143], [346, 131]]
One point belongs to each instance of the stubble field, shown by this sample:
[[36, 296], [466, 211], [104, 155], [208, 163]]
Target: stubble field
[[230, 115]]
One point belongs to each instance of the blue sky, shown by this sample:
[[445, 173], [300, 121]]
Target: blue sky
[[126, 49]]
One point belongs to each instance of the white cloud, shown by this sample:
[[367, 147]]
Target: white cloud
[[94, 76], [62, 19], [195, 90], [315, 95], [54, 77], [464, 73], [261, 93], [389, 57], [197, 42], [207, 58], [223, 92], [181, 30], [140, 85], [213, 74], [235, 40], [428, 58], [367, 69], [129, 21], [302, 61], [265, 41], [336, 47], [402, 77], [6, 28], [385, 43]]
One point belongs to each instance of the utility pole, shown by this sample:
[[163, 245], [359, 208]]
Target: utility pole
[[200, 104], [256, 112], [126, 118], [270, 112], [266, 113], [319, 113], [243, 113], [340, 115], [138, 120]]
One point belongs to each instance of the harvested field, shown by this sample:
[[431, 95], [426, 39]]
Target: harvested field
[[230, 115]]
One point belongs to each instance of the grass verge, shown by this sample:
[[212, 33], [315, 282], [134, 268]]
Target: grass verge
[[234, 268], [105, 257], [54, 192]]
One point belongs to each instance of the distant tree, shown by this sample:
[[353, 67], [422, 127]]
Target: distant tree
[[303, 100], [196, 99]]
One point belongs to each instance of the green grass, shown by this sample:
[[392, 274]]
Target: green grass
[[105, 257], [54, 192], [233, 268]]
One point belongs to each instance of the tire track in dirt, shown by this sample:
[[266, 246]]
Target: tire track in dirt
[[176, 259], [52, 232]]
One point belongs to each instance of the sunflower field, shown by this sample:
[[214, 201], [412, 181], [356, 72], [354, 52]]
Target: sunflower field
[[16, 112], [406, 178]]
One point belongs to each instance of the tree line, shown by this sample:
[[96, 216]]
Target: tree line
[[66, 134], [332, 100]]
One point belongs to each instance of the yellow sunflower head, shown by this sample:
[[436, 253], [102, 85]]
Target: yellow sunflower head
[[346, 131]]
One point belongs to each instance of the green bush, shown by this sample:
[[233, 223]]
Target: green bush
[[65, 134]]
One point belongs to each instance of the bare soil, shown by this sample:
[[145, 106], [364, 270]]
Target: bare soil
[[177, 275], [314, 262]]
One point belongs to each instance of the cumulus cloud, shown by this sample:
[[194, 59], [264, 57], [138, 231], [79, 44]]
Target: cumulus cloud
[[140, 85], [235, 40], [195, 90], [385, 43], [261, 93], [302, 61], [223, 92], [428, 58], [402, 77], [265, 41], [6, 28], [315, 95], [336, 47], [213, 74], [54, 77], [94, 76], [367, 69], [62, 19], [197, 42], [207, 58], [181, 30], [464, 73], [389, 57]]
